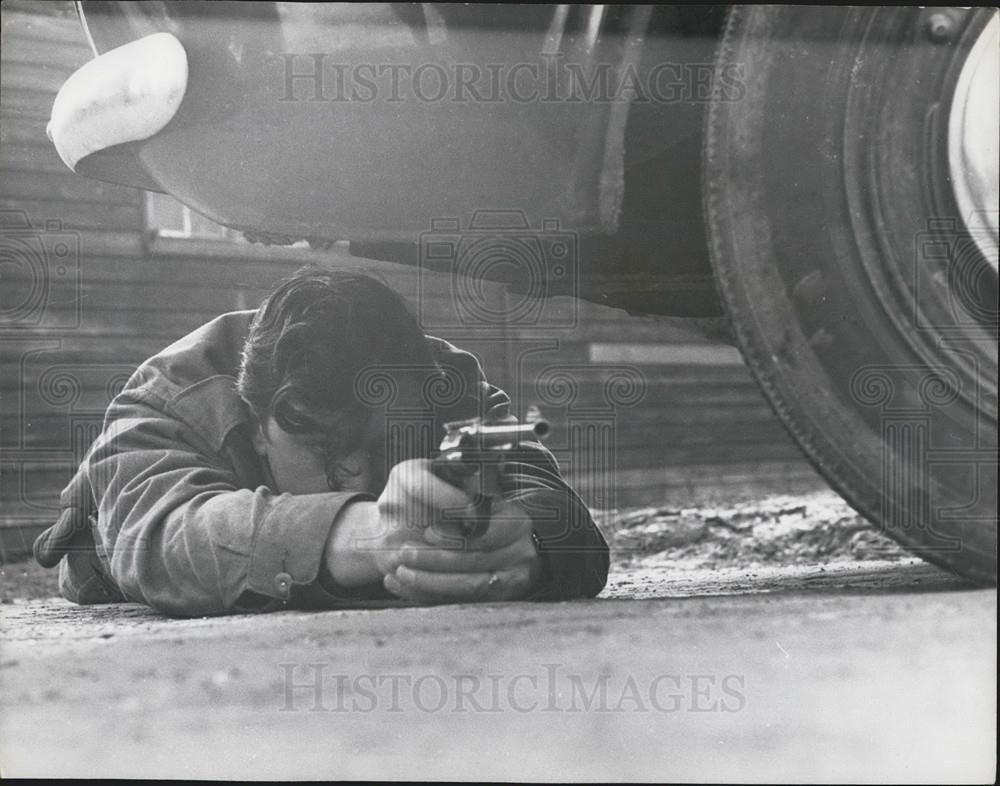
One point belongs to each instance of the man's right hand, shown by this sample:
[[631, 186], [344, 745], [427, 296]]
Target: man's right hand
[[415, 501], [369, 537], [412, 541]]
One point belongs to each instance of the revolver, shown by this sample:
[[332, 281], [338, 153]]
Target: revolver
[[477, 447]]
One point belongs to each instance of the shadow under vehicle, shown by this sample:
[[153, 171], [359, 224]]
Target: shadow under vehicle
[[819, 184]]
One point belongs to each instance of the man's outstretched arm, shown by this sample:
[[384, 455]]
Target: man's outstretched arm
[[179, 532]]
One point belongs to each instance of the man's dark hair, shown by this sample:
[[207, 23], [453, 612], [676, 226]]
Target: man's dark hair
[[309, 340]]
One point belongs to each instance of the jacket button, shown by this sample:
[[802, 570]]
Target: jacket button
[[282, 583]]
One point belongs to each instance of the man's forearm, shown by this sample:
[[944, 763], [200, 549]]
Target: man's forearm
[[350, 549]]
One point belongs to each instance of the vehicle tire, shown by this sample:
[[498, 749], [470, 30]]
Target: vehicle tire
[[863, 297]]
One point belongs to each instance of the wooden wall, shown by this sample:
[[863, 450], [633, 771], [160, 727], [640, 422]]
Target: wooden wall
[[643, 413]]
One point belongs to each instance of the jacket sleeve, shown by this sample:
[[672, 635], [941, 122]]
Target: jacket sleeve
[[574, 552], [180, 534]]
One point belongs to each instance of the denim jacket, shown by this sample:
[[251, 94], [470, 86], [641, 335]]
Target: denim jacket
[[172, 507]]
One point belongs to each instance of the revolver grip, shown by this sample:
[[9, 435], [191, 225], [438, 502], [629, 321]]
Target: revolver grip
[[457, 473]]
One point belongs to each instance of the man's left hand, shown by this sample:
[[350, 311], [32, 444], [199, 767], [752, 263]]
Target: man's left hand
[[500, 564]]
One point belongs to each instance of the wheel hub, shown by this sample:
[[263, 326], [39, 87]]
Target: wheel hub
[[974, 142]]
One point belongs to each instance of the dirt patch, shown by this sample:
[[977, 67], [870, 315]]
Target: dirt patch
[[779, 530]]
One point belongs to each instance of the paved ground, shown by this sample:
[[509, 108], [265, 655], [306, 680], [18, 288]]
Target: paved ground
[[774, 639], [880, 670]]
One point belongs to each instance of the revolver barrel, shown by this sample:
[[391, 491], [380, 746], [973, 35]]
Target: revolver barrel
[[474, 435], [472, 446]]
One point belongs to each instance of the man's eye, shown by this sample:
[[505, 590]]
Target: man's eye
[[291, 421]]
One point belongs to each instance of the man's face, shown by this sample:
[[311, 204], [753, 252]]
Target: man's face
[[298, 467]]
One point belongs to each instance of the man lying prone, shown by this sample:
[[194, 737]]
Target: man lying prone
[[283, 457]]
